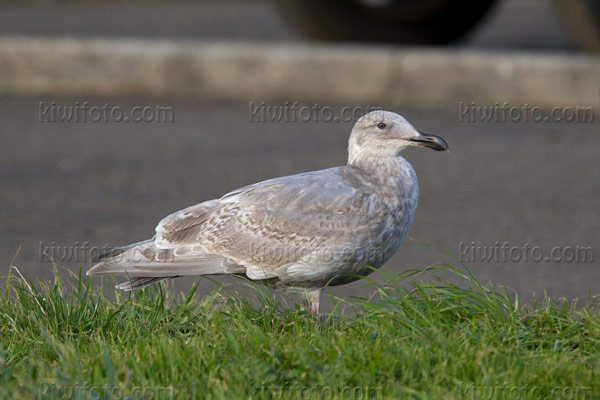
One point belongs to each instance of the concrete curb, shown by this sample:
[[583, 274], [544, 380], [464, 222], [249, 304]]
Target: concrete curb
[[291, 72]]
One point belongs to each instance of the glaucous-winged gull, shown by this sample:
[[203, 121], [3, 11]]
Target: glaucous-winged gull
[[296, 233]]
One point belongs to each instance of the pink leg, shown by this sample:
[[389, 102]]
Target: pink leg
[[314, 296]]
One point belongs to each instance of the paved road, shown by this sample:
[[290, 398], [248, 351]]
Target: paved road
[[512, 24], [63, 184]]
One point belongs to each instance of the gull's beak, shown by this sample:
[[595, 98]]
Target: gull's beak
[[428, 140]]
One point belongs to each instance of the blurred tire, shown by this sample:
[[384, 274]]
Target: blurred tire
[[394, 21], [581, 19]]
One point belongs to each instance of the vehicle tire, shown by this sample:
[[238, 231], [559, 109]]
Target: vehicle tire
[[581, 19], [394, 21]]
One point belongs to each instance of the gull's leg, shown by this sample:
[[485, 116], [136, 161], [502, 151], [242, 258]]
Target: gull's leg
[[314, 296]]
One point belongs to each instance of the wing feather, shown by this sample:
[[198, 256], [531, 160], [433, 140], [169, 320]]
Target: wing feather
[[277, 222]]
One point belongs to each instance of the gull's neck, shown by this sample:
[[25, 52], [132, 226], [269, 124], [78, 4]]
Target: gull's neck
[[386, 170], [394, 179]]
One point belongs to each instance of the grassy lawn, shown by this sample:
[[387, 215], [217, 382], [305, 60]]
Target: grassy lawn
[[411, 340]]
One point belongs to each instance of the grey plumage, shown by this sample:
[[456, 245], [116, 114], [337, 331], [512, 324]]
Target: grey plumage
[[300, 232]]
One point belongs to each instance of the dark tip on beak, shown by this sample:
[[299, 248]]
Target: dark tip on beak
[[430, 141]]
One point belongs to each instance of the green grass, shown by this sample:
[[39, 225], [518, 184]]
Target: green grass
[[413, 339]]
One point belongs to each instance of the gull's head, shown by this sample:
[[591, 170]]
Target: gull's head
[[385, 134]]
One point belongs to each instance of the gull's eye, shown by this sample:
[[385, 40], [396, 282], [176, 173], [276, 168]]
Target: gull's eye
[[381, 125]]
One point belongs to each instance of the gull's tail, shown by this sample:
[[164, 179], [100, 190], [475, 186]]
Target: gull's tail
[[144, 263]]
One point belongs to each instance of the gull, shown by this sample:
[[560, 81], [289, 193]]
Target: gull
[[298, 233]]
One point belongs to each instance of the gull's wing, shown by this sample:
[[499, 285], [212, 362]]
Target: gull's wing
[[279, 221]]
